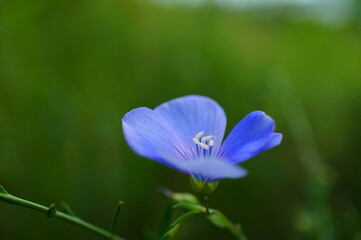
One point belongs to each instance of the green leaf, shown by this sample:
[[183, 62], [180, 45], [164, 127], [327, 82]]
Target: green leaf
[[52, 211], [3, 191], [172, 232], [67, 209], [184, 217], [179, 197], [219, 220], [115, 215], [190, 206], [167, 213], [176, 224], [184, 197]]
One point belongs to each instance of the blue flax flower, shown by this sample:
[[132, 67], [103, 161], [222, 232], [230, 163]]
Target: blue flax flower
[[186, 134]]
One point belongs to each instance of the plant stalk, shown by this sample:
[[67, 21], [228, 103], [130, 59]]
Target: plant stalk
[[52, 212], [206, 205]]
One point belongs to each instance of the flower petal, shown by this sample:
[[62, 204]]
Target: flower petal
[[192, 114], [274, 141], [212, 170], [250, 136], [149, 135]]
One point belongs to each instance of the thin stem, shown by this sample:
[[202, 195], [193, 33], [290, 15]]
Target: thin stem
[[205, 199], [115, 216], [57, 214]]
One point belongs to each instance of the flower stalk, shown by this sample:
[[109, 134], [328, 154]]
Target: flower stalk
[[206, 205], [51, 212]]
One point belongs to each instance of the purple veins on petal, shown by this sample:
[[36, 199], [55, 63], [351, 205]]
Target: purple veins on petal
[[252, 135], [186, 134], [149, 135], [191, 115]]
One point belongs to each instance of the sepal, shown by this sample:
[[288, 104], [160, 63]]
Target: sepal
[[203, 188]]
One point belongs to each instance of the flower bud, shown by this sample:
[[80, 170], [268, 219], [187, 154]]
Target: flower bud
[[203, 188]]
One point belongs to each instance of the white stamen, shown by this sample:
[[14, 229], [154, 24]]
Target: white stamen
[[205, 139], [205, 146], [196, 141], [199, 135], [204, 142]]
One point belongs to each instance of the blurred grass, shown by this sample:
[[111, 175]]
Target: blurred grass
[[69, 71]]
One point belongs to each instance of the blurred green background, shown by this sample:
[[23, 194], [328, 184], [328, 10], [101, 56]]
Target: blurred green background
[[69, 71]]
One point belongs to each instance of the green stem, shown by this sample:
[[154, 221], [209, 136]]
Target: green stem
[[57, 214], [205, 199]]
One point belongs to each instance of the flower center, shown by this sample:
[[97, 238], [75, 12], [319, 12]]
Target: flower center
[[204, 142]]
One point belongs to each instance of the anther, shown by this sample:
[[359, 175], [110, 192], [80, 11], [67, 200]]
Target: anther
[[205, 146], [211, 143], [196, 141], [199, 135], [205, 139]]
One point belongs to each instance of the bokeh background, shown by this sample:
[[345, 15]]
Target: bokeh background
[[69, 71]]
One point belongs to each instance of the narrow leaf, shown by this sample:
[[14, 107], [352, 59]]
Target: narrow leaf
[[67, 209], [184, 197], [172, 232], [52, 211], [190, 206], [218, 219], [179, 197], [3, 191], [167, 213], [184, 217], [115, 216]]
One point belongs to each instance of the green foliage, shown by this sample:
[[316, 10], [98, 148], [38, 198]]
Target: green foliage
[[52, 211], [184, 198], [184, 217], [67, 209], [69, 71], [171, 232], [189, 206], [115, 216], [217, 218], [2, 190]]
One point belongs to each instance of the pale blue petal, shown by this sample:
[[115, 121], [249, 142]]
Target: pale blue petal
[[192, 114], [274, 141], [212, 170], [149, 135], [252, 135]]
